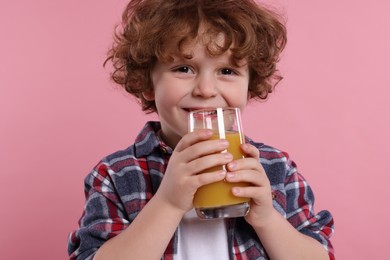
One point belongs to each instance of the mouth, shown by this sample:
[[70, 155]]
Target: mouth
[[188, 110]]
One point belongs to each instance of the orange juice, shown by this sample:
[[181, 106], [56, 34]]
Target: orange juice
[[220, 193]]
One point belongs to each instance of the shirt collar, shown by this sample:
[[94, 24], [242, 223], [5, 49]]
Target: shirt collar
[[148, 140]]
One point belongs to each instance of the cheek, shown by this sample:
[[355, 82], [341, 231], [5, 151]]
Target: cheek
[[238, 98], [167, 97]]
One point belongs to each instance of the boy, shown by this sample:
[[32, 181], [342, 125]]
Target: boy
[[177, 56]]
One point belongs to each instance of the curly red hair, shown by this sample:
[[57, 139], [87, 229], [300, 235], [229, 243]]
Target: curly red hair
[[251, 32]]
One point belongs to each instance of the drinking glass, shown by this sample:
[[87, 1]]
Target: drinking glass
[[216, 200]]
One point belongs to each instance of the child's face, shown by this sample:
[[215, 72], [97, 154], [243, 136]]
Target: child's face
[[200, 82]]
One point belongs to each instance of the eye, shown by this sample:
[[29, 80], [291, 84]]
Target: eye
[[227, 71], [184, 69]]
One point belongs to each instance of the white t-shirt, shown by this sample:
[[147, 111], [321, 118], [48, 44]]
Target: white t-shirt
[[202, 239]]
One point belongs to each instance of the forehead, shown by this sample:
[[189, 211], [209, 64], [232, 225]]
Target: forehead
[[214, 45], [212, 41]]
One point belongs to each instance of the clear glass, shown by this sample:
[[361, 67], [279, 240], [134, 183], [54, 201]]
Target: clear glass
[[216, 200]]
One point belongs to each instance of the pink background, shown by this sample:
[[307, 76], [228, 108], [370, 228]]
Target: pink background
[[59, 114]]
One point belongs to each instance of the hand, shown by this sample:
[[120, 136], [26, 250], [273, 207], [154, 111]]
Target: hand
[[251, 171], [193, 155]]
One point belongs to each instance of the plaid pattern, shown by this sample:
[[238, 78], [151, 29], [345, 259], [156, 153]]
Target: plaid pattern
[[121, 184]]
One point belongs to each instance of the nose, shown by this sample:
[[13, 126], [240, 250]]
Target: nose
[[205, 87]]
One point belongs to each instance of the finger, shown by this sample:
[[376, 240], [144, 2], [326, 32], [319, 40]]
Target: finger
[[198, 144], [192, 138], [254, 178], [207, 147], [209, 163], [252, 192], [250, 150], [246, 163], [209, 177]]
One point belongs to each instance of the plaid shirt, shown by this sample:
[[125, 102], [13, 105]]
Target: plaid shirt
[[121, 184]]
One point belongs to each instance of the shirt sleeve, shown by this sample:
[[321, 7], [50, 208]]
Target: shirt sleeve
[[103, 218], [300, 209]]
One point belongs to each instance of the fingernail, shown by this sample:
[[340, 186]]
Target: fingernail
[[228, 156], [222, 173], [231, 165], [236, 191], [230, 175], [224, 143], [245, 146], [207, 132]]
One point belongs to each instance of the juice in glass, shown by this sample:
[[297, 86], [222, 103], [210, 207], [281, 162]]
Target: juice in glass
[[220, 193], [216, 200]]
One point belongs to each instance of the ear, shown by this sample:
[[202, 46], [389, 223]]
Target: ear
[[148, 95]]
